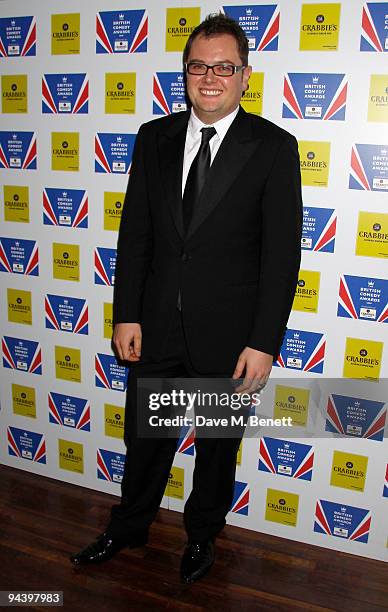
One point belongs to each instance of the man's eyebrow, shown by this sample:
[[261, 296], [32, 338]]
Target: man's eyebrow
[[199, 61]]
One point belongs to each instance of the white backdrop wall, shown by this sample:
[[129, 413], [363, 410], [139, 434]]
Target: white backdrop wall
[[61, 409]]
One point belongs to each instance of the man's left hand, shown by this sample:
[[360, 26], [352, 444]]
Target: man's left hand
[[257, 367]]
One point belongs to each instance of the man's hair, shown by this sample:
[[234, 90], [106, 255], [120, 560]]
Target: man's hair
[[218, 23]]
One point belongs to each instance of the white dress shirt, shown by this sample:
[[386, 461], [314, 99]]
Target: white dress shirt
[[194, 136]]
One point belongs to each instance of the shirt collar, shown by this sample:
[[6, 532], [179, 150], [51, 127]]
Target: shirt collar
[[221, 126]]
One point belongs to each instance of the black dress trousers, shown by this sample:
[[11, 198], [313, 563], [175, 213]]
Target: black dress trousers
[[148, 460]]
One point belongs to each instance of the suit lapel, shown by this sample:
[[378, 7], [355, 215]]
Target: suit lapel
[[171, 151], [236, 148]]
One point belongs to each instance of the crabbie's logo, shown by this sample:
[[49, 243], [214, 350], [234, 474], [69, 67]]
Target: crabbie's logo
[[314, 96], [378, 98], [66, 261], [176, 483], [113, 208], [292, 402], [121, 31], [348, 470], [319, 29], [16, 203], [17, 36], [110, 465], [260, 24], [180, 22], [252, 100], [314, 163], [372, 234], [14, 93], [19, 306], [65, 34], [24, 401], [65, 151], [114, 420], [68, 363], [120, 92], [374, 35], [362, 359], [282, 507], [307, 291], [71, 456]]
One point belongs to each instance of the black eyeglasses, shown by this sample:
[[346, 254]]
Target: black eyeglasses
[[223, 70]]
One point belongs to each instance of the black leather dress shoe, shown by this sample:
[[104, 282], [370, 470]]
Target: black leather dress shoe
[[197, 560], [105, 547]]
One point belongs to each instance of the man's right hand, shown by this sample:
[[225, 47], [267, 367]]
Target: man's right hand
[[127, 341]]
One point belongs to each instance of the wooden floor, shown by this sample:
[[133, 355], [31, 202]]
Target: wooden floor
[[43, 520]]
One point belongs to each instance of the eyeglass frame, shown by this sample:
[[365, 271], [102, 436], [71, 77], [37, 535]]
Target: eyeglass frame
[[235, 69]]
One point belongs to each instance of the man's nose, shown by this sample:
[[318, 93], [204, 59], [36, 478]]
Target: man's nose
[[209, 76]]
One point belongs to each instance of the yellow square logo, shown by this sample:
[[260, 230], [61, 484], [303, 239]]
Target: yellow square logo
[[176, 483], [65, 34], [113, 208], [65, 151], [108, 320], [180, 22], [314, 163], [319, 27], [19, 306], [372, 234], [307, 291], [120, 92], [16, 204], [292, 402], [14, 93], [348, 471], [24, 401], [71, 456], [282, 507], [378, 98], [114, 421], [252, 100], [68, 363], [362, 359], [66, 261], [239, 453]]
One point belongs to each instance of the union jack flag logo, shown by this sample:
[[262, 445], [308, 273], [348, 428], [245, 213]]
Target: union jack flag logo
[[240, 502]]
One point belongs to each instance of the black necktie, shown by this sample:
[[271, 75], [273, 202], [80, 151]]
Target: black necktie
[[196, 176]]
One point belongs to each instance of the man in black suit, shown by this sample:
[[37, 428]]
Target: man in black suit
[[207, 265]]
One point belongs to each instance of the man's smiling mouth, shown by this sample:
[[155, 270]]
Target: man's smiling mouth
[[211, 92]]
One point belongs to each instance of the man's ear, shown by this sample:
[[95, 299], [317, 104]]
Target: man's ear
[[246, 75]]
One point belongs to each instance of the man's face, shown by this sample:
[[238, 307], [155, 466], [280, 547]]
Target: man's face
[[214, 97]]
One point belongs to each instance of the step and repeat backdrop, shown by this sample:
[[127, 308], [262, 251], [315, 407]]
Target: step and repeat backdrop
[[75, 86]]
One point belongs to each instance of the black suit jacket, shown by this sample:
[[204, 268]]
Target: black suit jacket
[[237, 268]]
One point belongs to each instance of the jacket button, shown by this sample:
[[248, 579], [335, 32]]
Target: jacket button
[[185, 257]]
